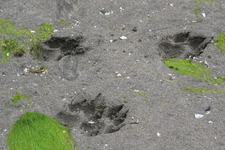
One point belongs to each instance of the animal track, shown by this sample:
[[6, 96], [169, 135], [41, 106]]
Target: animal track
[[94, 116], [183, 45], [64, 50], [57, 47]]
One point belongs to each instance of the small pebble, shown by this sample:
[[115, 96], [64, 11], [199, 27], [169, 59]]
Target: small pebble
[[123, 37], [198, 116], [36, 85], [207, 109], [203, 14], [118, 75], [158, 134], [134, 29], [121, 9], [91, 122], [4, 131]]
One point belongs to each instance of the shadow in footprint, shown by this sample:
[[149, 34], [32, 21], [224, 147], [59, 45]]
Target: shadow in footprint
[[57, 47]]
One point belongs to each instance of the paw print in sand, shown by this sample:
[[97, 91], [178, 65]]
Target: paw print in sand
[[63, 51], [93, 115], [183, 45]]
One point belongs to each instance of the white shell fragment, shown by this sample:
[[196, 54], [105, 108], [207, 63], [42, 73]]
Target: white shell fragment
[[4, 131], [198, 116], [26, 70], [203, 14], [121, 8], [207, 112], [158, 134], [210, 122], [91, 122], [123, 37], [118, 75]]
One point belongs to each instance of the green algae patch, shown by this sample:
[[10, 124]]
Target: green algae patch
[[21, 37], [215, 91], [220, 79], [43, 31], [198, 71], [18, 97], [189, 68], [36, 131], [8, 30], [64, 23], [8, 47], [220, 42], [193, 69]]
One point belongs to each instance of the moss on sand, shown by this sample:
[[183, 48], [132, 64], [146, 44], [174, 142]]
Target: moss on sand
[[189, 68], [220, 42], [14, 37], [196, 70], [18, 97], [36, 131]]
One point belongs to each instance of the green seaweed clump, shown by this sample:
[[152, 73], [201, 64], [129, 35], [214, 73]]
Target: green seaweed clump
[[22, 37], [18, 97], [193, 69], [7, 47], [64, 22], [196, 70], [189, 68], [36, 131], [220, 42], [43, 31]]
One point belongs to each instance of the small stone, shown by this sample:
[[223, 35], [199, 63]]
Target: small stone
[[203, 14], [118, 75], [207, 109], [121, 8], [91, 122], [198, 116], [134, 29], [123, 37]]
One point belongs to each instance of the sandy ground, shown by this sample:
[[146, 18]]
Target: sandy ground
[[112, 87]]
